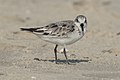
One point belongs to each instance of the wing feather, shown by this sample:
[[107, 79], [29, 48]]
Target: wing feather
[[58, 29]]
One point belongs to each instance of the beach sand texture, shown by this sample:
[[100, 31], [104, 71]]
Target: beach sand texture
[[23, 56]]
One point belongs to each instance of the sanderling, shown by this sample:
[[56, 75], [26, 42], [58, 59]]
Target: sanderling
[[61, 33]]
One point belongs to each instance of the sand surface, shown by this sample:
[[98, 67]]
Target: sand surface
[[23, 56]]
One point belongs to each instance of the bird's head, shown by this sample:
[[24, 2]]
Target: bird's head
[[81, 22]]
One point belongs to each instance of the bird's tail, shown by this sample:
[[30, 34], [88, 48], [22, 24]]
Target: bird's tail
[[28, 29]]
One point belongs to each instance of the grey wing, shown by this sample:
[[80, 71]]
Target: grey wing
[[58, 29]]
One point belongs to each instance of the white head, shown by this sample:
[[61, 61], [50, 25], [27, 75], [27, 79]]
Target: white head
[[81, 22]]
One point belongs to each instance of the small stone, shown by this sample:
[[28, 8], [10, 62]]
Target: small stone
[[37, 59], [62, 50], [116, 55], [118, 33], [34, 78], [1, 73]]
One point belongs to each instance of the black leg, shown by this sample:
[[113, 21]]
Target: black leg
[[66, 56], [55, 51]]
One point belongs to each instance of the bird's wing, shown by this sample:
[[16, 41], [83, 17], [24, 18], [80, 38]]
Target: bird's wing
[[58, 29]]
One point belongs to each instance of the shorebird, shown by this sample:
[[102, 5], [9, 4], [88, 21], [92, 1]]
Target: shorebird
[[61, 33]]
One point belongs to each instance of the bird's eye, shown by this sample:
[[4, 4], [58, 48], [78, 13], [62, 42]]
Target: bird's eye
[[77, 20]]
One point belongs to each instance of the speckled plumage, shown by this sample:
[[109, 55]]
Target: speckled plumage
[[62, 32]]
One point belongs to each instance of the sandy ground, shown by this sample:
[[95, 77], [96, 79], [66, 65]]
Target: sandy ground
[[23, 56]]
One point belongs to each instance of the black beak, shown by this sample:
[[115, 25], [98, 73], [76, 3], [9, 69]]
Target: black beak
[[82, 26]]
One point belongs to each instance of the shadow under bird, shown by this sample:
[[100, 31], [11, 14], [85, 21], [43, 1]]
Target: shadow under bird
[[61, 33]]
